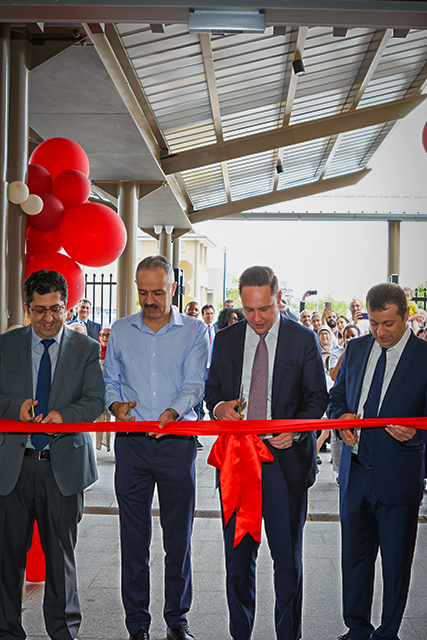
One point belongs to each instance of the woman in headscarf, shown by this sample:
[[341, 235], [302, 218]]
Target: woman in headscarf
[[325, 341]]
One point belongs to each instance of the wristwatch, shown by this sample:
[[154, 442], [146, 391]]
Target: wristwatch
[[173, 412]]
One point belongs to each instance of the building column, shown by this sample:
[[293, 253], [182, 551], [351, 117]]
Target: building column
[[393, 248], [127, 207], [4, 98], [176, 249], [17, 170], [165, 245]]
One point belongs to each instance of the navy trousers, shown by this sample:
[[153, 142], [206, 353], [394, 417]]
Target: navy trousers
[[284, 515], [366, 526], [142, 463]]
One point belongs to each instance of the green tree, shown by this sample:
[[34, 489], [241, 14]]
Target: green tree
[[231, 292], [340, 306]]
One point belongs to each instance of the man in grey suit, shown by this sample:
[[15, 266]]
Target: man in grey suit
[[42, 476]]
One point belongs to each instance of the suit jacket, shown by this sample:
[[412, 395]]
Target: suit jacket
[[298, 389], [398, 468], [93, 329], [77, 392]]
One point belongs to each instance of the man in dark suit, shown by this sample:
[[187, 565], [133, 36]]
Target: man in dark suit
[[42, 476], [381, 470], [275, 364], [83, 310]]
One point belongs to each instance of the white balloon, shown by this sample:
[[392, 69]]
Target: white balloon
[[18, 192], [32, 205]]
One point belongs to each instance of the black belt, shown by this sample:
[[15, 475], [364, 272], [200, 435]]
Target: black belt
[[40, 455], [355, 458], [131, 434]]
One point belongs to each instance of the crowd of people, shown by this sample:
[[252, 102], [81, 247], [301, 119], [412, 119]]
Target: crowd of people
[[255, 362]]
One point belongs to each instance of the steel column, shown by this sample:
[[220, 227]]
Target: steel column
[[393, 248], [17, 170], [127, 207], [165, 245], [4, 98]]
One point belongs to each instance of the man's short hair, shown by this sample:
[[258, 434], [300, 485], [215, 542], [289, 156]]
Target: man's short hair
[[188, 304], [208, 306], [152, 263], [43, 282], [383, 295], [348, 327], [84, 300], [259, 277]]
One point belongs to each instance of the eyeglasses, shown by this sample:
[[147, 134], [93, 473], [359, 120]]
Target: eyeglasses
[[56, 310]]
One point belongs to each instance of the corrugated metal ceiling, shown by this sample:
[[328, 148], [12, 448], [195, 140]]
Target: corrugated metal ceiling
[[253, 89]]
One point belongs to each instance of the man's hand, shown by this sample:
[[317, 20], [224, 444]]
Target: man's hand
[[25, 413], [121, 410], [170, 415], [226, 410], [347, 435], [399, 433], [282, 441]]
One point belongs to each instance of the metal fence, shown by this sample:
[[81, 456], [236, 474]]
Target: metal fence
[[420, 297], [102, 294]]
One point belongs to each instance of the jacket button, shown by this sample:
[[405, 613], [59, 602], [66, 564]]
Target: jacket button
[[22, 444]]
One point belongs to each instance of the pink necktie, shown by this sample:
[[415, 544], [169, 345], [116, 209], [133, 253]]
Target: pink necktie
[[258, 392]]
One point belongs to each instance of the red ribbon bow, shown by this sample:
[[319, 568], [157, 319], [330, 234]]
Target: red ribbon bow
[[239, 459]]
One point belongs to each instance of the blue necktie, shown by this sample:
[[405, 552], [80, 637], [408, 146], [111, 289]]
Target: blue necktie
[[40, 440], [370, 410]]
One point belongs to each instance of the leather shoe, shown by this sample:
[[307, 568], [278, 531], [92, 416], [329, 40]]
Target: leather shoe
[[179, 633], [140, 635], [344, 636]]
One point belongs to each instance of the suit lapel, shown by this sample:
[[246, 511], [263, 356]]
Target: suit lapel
[[236, 356], [26, 363], [360, 368], [283, 350], [65, 349]]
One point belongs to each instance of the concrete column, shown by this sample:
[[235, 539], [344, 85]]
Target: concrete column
[[4, 99], [165, 245], [393, 248], [127, 208], [176, 249], [17, 170]]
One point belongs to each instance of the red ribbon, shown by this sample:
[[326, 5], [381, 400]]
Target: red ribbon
[[239, 459], [238, 453]]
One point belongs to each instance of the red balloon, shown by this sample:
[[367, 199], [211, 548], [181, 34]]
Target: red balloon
[[71, 271], [71, 187], [425, 137], [58, 154], [50, 216], [93, 234], [36, 563], [38, 180], [30, 252], [45, 241]]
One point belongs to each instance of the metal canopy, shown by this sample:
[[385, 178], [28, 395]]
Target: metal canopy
[[223, 121]]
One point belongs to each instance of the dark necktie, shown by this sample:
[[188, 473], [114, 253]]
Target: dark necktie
[[370, 410], [258, 392], [40, 440]]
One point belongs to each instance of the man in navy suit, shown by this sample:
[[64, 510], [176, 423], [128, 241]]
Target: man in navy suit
[[83, 310], [381, 469], [294, 388]]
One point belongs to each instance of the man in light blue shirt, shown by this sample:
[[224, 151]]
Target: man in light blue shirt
[[155, 368]]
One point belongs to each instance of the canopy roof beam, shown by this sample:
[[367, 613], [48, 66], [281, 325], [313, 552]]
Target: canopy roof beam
[[295, 134]]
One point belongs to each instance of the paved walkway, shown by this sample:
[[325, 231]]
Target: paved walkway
[[98, 557]]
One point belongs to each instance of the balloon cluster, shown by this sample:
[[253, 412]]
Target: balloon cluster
[[91, 234]]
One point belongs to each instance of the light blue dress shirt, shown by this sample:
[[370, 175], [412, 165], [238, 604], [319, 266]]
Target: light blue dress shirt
[[159, 370]]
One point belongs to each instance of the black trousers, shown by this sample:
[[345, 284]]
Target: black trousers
[[37, 496]]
